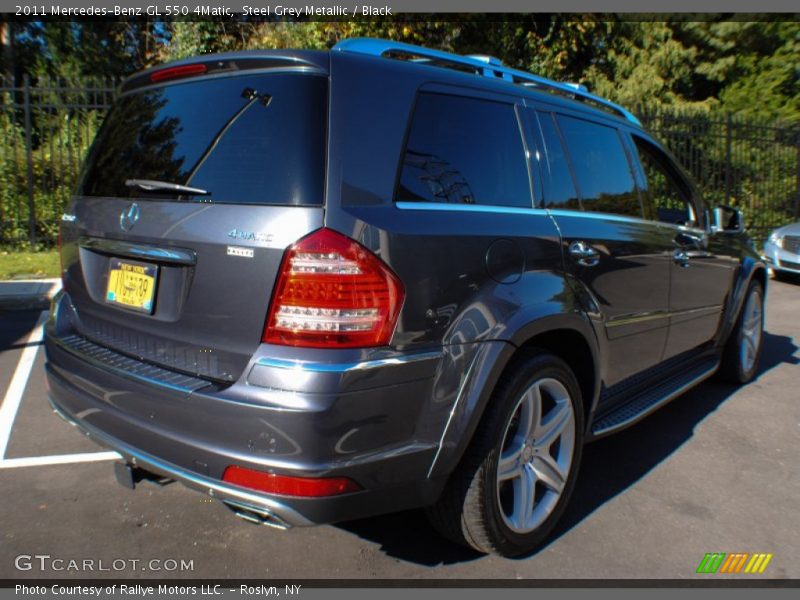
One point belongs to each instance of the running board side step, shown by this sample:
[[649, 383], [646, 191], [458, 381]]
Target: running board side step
[[648, 401]]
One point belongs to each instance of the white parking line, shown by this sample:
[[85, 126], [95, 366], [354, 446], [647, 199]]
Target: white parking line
[[13, 397], [57, 459]]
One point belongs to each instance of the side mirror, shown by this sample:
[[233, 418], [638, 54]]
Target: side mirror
[[727, 219]]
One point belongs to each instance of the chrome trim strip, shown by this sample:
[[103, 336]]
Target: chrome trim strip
[[477, 208], [560, 212], [318, 367], [703, 309], [629, 320], [656, 405], [554, 213], [170, 255], [212, 487]]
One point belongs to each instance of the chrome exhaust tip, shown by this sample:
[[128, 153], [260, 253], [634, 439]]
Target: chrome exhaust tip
[[258, 516]]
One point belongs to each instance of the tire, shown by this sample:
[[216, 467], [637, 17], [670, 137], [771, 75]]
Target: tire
[[743, 349], [511, 512]]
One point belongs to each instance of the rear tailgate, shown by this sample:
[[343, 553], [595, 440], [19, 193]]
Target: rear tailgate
[[183, 279]]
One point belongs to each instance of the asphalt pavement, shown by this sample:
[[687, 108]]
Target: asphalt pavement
[[716, 470]]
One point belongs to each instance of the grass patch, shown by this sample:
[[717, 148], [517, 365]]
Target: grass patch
[[29, 265]]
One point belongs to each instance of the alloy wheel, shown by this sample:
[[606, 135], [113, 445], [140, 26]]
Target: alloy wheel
[[536, 456], [752, 324]]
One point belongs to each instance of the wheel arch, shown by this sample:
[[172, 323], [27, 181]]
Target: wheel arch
[[568, 336], [750, 270]]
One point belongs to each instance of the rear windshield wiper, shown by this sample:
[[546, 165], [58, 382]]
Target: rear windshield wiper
[[151, 185]]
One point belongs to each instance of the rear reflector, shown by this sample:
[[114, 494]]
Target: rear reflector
[[176, 72], [307, 487], [332, 292]]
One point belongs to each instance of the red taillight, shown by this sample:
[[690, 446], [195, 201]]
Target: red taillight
[[176, 72], [333, 292], [289, 486]]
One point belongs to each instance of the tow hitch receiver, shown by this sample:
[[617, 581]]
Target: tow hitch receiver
[[128, 476], [125, 475]]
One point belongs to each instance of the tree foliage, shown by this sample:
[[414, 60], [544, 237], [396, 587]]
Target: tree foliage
[[745, 67], [751, 68]]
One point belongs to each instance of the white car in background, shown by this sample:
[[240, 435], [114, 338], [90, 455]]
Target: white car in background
[[782, 251]]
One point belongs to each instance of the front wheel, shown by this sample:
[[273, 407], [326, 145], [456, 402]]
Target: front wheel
[[516, 477], [743, 349]]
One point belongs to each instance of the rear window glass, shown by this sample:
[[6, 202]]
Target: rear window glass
[[464, 150], [244, 139]]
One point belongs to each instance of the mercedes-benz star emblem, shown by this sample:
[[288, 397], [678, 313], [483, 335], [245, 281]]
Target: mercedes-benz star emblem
[[128, 217]]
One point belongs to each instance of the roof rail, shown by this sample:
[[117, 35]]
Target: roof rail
[[480, 65]]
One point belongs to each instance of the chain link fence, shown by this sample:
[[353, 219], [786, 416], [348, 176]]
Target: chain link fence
[[47, 128]]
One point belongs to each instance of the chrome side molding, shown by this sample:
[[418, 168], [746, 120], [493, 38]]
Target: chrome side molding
[[319, 367]]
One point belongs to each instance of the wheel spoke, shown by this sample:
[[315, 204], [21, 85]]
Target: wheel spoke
[[749, 350], [524, 495], [508, 466], [553, 425], [530, 411], [549, 473]]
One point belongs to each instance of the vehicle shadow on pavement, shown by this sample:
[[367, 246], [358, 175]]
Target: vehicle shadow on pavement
[[610, 466]]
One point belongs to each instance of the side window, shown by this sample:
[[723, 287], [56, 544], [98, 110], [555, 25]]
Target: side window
[[464, 150], [666, 196], [558, 184], [602, 169]]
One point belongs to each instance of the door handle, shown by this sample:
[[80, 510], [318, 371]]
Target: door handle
[[681, 258], [684, 239], [584, 254]]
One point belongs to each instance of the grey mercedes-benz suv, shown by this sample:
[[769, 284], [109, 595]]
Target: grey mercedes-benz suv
[[324, 285]]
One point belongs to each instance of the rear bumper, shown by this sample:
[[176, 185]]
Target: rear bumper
[[279, 514], [378, 422]]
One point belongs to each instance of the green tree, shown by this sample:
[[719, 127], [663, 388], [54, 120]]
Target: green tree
[[641, 63], [753, 68]]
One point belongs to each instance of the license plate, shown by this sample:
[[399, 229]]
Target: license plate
[[132, 285]]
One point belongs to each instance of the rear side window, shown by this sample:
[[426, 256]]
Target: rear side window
[[602, 168], [244, 139], [464, 150]]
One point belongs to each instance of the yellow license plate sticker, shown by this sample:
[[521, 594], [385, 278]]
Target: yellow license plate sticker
[[132, 285]]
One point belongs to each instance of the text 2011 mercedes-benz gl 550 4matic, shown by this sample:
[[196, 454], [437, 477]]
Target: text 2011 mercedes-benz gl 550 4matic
[[325, 285]]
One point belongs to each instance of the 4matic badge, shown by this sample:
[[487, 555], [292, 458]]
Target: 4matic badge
[[255, 236]]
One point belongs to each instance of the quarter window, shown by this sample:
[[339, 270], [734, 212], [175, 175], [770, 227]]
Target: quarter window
[[601, 166], [465, 151]]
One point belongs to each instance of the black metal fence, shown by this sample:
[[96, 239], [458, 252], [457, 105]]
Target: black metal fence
[[47, 128], [751, 164], [46, 131]]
